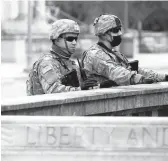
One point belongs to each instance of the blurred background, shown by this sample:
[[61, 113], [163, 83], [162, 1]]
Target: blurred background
[[25, 27]]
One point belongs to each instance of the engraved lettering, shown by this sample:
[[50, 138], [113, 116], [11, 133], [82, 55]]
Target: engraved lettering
[[105, 134], [78, 131], [132, 138], [111, 131], [29, 137], [96, 137], [110, 134], [64, 136], [146, 134], [39, 135], [165, 136], [51, 136]]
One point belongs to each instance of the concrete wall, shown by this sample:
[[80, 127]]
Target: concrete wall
[[123, 100], [84, 139]]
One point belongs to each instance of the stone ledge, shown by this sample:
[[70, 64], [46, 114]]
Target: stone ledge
[[83, 96], [83, 121], [80, 138]]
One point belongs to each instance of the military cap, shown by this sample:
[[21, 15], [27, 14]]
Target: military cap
[[63, 26], [103, 23]]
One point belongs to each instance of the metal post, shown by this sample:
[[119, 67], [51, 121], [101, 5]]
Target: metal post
[[29, 34], [140, 35], [126, 16]]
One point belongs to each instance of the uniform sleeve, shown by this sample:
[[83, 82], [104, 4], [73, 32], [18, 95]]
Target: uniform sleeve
[[50, 78], [153, 75], [110, 70]]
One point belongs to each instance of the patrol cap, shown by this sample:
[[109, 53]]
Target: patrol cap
[[63, 26], [103, 23]]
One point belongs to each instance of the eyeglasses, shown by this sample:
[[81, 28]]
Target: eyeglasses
[[115, 30], [71, 38]]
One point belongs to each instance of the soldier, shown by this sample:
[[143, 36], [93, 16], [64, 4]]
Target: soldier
[[55, 72], [108, 65]]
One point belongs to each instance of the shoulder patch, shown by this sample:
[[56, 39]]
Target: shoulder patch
[[46, 69]]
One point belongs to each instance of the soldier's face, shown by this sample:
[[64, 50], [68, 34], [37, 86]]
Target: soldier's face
[[114, 40], [71, 40]]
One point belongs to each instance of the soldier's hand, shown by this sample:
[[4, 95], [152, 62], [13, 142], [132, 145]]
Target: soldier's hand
[[108, 84], [146, 80], [90, 82]]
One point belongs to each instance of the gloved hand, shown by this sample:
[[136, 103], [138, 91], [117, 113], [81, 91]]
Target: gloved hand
[[107, 84], [146, 80], [166, 77], [89, 82]]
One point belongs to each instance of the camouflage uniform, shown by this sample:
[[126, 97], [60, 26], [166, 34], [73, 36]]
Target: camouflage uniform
[[50, 72], [98, 61], [51, 67], [104, 65]]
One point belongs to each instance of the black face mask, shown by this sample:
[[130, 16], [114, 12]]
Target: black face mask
[[116, 41]]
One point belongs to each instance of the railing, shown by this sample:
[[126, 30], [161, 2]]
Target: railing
[[135, 100]]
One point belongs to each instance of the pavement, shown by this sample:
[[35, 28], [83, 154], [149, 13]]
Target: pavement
[[13, 76]]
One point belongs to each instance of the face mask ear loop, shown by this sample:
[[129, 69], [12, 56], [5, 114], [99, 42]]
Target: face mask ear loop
[[67, 47], [111, 37]]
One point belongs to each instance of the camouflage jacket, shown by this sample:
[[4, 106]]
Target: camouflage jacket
[[50, 72], [104, 65]]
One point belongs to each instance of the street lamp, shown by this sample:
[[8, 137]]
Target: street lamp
[[126, 16]]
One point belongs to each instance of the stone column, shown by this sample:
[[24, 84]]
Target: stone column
[[40, 24], [22, 9]]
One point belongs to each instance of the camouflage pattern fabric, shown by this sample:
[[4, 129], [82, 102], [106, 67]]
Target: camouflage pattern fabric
[[104, 65], [157, 77], [33, 84], [50, 72], [106, 22], [63, 26]]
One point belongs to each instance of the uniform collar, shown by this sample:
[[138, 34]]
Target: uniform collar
[[119, 56], [59, 52], [104, 46]]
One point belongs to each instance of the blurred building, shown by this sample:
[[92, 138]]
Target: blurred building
[[19, 40], [15, 17], [156, 21]]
